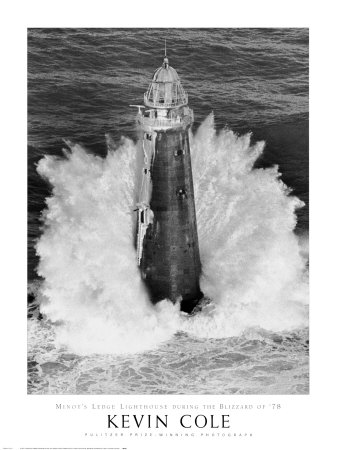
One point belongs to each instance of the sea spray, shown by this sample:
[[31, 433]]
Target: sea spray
[[253, 269], [92, 285]]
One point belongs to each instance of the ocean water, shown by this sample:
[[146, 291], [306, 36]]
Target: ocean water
[[91, 327]]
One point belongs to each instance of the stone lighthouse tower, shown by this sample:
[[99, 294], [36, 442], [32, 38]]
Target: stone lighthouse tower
[[167, 237]]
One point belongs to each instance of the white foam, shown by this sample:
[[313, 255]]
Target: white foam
[[87, 257], [252, 265]]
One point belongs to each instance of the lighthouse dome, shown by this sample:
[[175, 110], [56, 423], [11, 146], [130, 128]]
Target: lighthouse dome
[[165, 75], [165, 90]]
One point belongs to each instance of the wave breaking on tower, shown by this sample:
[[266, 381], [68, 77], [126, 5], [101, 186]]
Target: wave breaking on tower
[[252, 265]]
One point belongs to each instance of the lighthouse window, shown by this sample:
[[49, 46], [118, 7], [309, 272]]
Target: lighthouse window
[[148, 137], [179, 152], [181, 193]]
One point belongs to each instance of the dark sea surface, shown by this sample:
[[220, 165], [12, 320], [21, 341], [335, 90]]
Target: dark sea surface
[[80, 85]]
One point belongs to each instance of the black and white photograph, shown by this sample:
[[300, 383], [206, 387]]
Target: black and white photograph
[[168, 211], [155, 183]]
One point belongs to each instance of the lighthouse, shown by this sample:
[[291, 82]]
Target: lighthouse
[[167, 236]]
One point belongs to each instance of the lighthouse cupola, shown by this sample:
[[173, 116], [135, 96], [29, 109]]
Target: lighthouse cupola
[[165, 90]]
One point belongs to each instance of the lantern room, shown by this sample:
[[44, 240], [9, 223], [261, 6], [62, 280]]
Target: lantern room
[[165, 90]]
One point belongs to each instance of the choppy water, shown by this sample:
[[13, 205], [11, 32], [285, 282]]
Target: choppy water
[[98, 333]]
